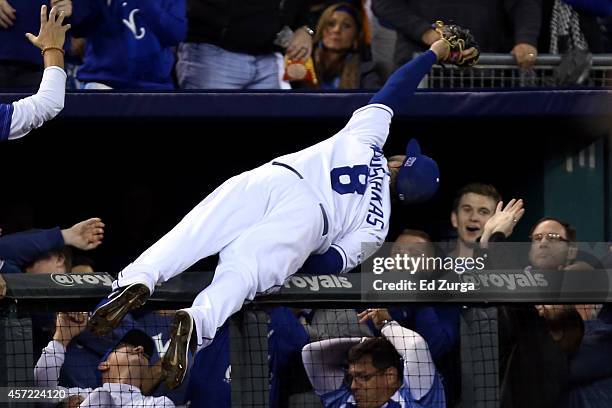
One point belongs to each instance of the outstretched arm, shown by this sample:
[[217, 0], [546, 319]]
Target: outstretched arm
[[399, 88], [418, 364], [25, 247], [323, 362], [21, 117]]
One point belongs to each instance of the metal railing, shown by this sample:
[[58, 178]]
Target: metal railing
[[501, 71]]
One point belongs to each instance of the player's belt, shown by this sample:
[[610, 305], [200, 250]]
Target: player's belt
[[323, 213]]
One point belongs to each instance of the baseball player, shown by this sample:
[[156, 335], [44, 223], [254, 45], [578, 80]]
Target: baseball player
[[327, 200], [19, 118]]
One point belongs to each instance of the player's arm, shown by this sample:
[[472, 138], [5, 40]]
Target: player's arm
[[370, 124], [356, 247], [19, 118], [419, 368], [345, 254], [324, 360], [329, 263], [399, 88]]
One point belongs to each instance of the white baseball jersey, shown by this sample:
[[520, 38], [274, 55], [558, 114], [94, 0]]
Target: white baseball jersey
[[350, 174], [24, 115], [265, 223]]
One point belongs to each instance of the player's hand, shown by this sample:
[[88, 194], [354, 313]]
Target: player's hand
[[300, 45], [7, 14], [63, 5], [52, 33], [378, 317], [68, 326], [504, 220], [85, 235], [430, 36], [525, 55], [442, 50]]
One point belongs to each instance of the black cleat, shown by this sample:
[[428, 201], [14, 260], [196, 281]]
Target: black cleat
[[183, 340], [109, 313]]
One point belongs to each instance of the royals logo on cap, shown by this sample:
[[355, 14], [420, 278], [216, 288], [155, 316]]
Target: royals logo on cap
[[418, 178]]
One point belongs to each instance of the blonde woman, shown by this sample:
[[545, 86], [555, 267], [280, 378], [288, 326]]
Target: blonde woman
[[340, 48]]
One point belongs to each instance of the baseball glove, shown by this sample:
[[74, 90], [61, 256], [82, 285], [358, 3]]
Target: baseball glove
[[458, 39]]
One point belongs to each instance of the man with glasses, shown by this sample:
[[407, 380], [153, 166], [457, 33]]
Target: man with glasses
[[551, 244], [395, 370]]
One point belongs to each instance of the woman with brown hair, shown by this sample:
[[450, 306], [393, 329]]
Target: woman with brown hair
[[339, 49]]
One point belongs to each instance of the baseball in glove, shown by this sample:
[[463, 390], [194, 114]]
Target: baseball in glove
[[458, 39]]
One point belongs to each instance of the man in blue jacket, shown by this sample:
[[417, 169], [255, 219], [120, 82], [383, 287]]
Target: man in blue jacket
[[129, 42]]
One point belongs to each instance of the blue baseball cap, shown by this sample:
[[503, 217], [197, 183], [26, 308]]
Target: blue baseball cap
[[418, 178], [134, 337]]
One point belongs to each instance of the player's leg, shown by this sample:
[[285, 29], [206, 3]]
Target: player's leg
[[261, 258], [211, 225]]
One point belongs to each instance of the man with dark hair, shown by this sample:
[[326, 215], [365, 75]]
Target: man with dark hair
[[473, 205], [126, 373], [395, 370], [381, 352], [54, 261]]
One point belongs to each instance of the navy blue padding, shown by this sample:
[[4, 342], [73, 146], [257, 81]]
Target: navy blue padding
[[275, 104]]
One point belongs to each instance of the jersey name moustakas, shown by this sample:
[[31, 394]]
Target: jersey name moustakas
[[378, 171]]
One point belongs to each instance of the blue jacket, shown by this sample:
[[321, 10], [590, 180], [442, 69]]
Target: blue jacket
[[21, 249], [210, 384], [343, 397], [210, 379], [13, 43], [590, 369], [129, 42]]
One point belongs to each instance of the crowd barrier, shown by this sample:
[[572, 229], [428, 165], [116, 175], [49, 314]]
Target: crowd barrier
[[28, 314]]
